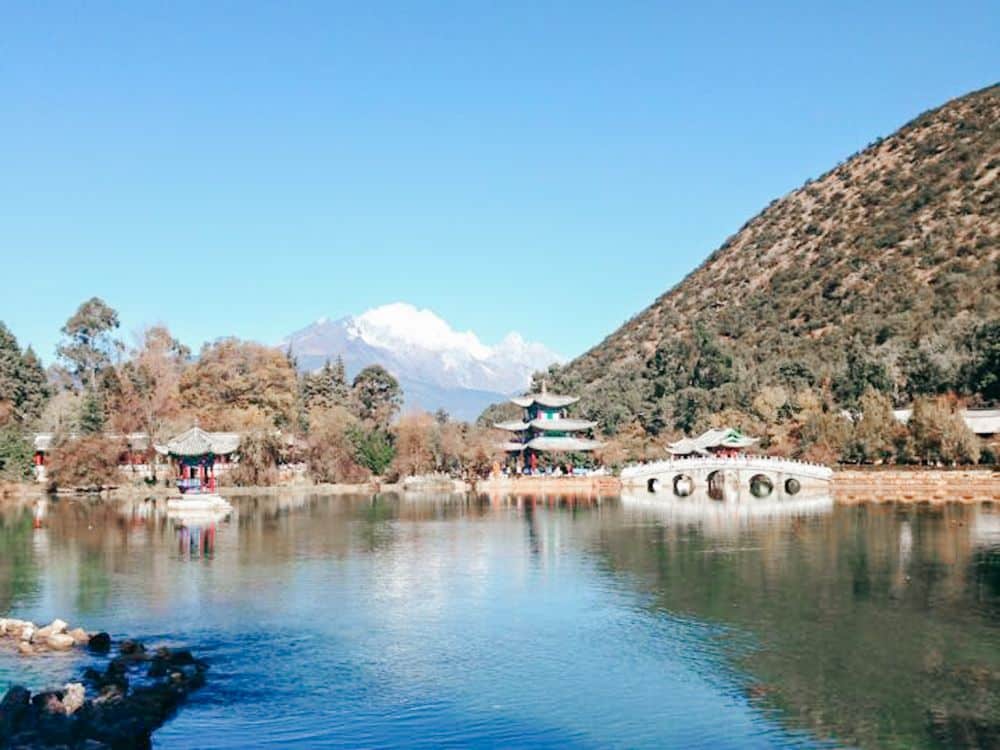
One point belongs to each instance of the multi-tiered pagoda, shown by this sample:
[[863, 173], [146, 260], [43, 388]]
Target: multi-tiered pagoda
[[546, 428]]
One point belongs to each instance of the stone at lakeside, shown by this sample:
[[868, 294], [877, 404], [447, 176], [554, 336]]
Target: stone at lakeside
[[56, 636], [117, 717]]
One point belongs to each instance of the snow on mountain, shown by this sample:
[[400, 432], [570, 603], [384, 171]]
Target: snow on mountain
[[437, 366]]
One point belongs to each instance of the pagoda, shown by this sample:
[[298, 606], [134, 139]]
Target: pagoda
[[545, 427]]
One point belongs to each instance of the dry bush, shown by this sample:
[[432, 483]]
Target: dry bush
[[330, 451], [88, 462]]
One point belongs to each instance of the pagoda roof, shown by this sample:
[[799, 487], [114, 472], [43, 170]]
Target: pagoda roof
[[512, 446], [198, 442], [551, 400], [515, 425], [562, 425], [566, 444], [725, 437]]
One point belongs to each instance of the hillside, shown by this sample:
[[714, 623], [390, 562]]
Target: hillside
[[883, 273]]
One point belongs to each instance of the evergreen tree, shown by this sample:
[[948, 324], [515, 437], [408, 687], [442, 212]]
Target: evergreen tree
[[378, 394], [15, 455], [34, 385], [91, 418], [23, 385], [10, 373], [982, 374]]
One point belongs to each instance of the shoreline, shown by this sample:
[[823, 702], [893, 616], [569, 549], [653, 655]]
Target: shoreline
[[851, 485]]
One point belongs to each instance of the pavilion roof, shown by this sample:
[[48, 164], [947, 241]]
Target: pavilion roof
[[562, 425], [566, 444], [551, 400], [725, 437], [198, 442], [515, 425]]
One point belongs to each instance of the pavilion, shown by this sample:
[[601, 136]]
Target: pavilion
[[546, 428], [722, 442], [195, 453]]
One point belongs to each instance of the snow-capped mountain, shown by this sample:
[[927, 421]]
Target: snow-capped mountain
[[437, 366]]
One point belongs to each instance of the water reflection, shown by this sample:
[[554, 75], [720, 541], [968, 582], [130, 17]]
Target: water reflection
[[540, 621]]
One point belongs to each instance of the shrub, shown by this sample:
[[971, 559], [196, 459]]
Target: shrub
[[87, 462]]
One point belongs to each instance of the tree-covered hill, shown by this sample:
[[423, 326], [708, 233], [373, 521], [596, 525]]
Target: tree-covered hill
[[883, 274]]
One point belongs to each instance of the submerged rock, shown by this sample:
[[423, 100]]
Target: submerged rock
[[100, 643]]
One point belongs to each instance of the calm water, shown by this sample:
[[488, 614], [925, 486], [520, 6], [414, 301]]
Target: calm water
[[334, 622]]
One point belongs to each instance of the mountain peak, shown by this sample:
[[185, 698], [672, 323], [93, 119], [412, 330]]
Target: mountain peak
[[437, 365]]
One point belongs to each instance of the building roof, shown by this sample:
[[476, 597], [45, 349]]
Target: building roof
[[562, 425], [551, 400], [197, 442], [980, 421], [513, 426], [725, 437], [566, 444], [136, 441]]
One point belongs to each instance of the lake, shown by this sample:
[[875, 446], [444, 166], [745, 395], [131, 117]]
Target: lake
[[470, 622]]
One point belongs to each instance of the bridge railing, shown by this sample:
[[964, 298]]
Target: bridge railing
[[764, 463]]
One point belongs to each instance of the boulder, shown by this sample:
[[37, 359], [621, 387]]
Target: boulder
[[80, 636], [25, 649], [99, 643], [60, 642], [58, 626], [42, 634], [74, 697], [27, 632]]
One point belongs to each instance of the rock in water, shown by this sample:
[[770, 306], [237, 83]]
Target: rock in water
[[100, 643], [60, 642], [58, 626], [79, 636], [25, 649], [74, 696]]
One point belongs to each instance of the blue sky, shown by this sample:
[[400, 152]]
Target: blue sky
[[551, 168]]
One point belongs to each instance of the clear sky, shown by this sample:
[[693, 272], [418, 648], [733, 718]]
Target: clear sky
[[547, 167]]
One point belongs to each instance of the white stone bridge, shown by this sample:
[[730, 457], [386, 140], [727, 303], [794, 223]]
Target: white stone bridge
[[733, 479]]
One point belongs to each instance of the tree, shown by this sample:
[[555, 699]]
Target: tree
[[331, 454], [416, 435], [261, 452], [34, 389], [939, 433], [91, 418], [148, 392], [88, 345], [15, 455], [378, 395], [982, 374], [326, 388], [374, 448], [875, 432], [237, 384], [861, 372], [23, 385]]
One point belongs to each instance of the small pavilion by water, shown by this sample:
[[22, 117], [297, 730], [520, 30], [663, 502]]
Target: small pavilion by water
[[195, 453]]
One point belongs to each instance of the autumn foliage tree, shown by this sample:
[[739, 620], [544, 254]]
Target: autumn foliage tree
[[239, 385]]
